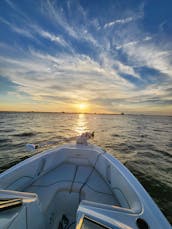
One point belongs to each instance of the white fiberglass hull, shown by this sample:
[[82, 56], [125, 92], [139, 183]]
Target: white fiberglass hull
[[68, 186]]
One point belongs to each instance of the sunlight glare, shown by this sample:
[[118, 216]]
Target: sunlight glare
[[81, 125], [82, 106]]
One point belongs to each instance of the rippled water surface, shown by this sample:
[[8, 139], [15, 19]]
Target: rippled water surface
[[142, 143]]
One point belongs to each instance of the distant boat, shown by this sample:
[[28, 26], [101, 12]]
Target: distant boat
[[122, 113], [75, 186]]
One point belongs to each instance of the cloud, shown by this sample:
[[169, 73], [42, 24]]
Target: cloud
[[126, 69], [51, 37], [17, 10], [7, 85], [77, 77], [123, 21], [32, 30], [147, 38], [119, 21], [57, 17], [23, 32], [144, 50], [128, 44], [70, 23], [162, 26], [151, 56], [133, 43], [72, 79]]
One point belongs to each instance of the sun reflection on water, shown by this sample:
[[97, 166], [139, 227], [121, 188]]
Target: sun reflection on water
[[81, 125]]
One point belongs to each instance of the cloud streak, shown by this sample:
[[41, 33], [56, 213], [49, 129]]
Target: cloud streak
[[120, 21]]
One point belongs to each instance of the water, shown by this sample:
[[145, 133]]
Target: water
[[142, 143]]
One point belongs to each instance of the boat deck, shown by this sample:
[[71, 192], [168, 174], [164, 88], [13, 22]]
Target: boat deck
[[61, 189]]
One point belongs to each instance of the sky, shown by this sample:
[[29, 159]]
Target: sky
[[107, 56]]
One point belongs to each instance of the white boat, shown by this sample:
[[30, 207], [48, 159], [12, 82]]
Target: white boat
[[75, 186]]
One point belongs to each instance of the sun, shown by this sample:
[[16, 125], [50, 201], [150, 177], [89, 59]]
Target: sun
[[82, 106]]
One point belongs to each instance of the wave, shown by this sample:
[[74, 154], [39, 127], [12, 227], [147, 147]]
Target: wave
[[169, 144], [143, 135], [12, 163], [7, 130], [126, 146], [5, 140], [164, 153], [160, 130], [25, 134], [115, 135], [159, 190]]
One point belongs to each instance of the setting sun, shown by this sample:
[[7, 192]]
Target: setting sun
[[82, 106]]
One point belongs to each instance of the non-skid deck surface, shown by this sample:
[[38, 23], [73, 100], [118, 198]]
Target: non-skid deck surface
[[68, 184]]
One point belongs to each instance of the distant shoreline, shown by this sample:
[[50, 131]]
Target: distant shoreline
[[57, 112], [87, 113]]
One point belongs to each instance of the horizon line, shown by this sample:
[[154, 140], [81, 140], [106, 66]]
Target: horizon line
[[90, 113]]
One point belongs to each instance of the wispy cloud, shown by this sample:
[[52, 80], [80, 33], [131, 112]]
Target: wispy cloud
[[71, 73], [31, 30], [119, 21], [70, 25], [123, 21], [151, 56], [56, 15], [52, 37], [22, 31], [126, 69], [71, 79], [133, 43]]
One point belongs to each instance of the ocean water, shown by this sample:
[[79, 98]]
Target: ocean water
[[142, 143]]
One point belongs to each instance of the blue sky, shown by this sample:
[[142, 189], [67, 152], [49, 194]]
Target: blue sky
[[110, 55]]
